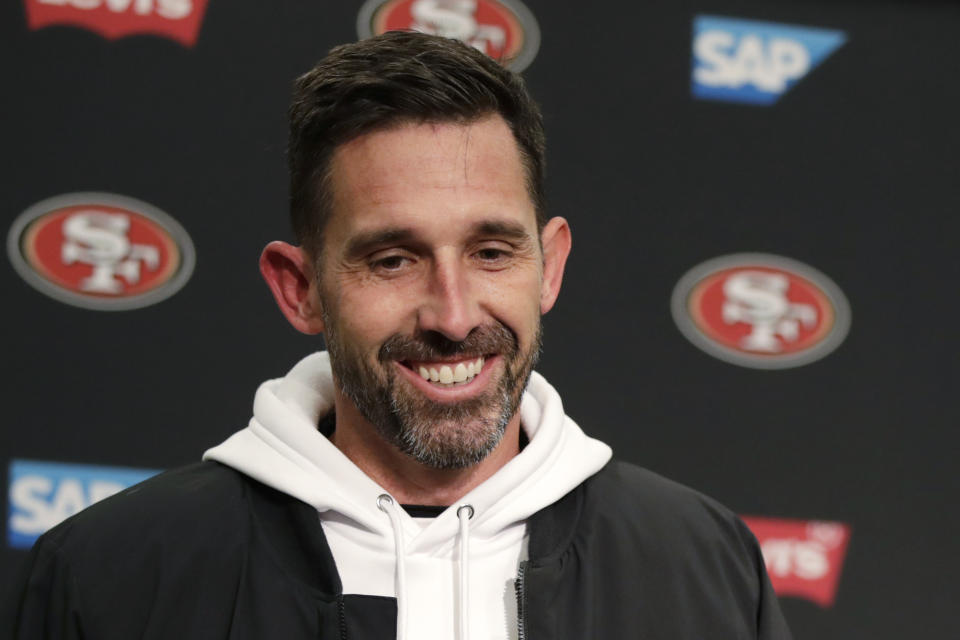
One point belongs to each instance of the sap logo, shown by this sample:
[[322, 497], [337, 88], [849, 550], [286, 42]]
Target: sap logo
[[755, 62], [43, 494]]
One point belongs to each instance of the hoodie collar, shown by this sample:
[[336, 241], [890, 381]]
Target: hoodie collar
[[282, 448]]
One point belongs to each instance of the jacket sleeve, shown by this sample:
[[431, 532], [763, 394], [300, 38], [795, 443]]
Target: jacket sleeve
[[771, 624], [45, 603]]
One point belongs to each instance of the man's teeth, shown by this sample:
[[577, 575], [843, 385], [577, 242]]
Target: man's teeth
[[447, 375]]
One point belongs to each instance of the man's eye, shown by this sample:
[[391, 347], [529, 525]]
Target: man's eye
[[390, 263], [491, 254]]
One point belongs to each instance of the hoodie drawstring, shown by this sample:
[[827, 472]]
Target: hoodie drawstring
[[388, 506], [464, 513]]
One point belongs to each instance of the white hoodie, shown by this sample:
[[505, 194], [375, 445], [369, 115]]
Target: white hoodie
[[453, 576]]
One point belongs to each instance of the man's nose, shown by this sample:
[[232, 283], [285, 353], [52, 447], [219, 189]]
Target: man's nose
[[450, 306]]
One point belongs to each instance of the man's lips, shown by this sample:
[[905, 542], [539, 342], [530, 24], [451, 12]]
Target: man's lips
[[450, 380], [448, 372]]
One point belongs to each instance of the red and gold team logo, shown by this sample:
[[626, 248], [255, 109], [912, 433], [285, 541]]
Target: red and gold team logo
[[804, 558], [178, 20], [761, 311], [101, 251], [503, 29]]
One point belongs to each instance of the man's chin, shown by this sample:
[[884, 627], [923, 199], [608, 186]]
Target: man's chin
[[448, 435], [447, 429], [450, 444]]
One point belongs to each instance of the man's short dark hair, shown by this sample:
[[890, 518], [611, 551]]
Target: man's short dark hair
[[394, 78]]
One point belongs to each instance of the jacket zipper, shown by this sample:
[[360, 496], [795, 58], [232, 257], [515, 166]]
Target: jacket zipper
[[342, 615], [521, 610]]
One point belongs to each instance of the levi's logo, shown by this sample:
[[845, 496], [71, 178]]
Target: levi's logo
[[804, 558], [178, 20]]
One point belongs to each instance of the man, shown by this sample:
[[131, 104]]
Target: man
[[418, 480]]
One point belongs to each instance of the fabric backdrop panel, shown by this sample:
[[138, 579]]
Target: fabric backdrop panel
[[852, 171]]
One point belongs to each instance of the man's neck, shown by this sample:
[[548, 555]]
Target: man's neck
[[407, 480]]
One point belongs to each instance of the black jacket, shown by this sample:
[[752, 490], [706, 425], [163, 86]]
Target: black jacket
[[205, 552]]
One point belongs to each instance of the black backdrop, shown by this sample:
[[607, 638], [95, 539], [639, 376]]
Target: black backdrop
[[853, 171]]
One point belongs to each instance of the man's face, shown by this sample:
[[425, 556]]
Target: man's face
[[430, 283]]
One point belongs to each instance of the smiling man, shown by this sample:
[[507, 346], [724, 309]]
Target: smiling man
[[418, 479], [429, 284]]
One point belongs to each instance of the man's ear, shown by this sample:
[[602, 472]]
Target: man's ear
[[556, 241], [289, 274]]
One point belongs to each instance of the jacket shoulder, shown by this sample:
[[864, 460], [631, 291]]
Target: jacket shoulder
[[134, 561], [690, 565], [629, 497], [673, 526], [204, 495], [631, 489]]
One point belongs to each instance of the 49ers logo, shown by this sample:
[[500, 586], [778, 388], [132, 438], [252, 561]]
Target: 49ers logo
[[761, 311], [503, 29], [101, 251], [175, 19]]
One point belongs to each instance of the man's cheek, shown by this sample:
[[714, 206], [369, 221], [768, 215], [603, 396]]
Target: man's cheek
[[381, 307]]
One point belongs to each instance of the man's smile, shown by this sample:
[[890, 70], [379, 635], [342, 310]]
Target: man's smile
[[450, 380], [448, 372]]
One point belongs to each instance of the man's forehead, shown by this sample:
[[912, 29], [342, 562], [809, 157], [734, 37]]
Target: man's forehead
[[430, 149], [422, 174]]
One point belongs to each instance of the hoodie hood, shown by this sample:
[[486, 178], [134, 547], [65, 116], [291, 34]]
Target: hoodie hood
[[451, 571], [282, 448]]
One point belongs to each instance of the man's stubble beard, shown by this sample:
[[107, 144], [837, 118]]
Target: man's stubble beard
[[440, 436]]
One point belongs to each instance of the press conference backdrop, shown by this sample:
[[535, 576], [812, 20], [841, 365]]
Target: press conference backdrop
[[761, 302]]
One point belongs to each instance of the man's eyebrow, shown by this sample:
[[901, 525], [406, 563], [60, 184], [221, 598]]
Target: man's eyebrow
[[364, 242], [501, 228], [367, 241]]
